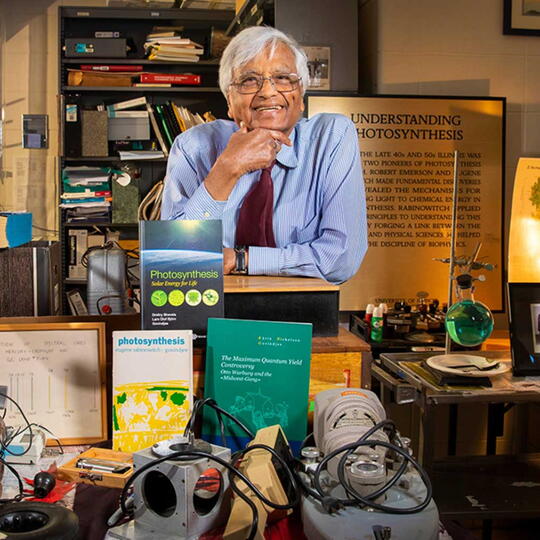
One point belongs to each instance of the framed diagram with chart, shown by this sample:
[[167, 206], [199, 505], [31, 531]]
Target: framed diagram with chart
[[55, 372]]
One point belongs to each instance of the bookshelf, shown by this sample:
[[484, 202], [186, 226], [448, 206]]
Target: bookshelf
[[132, 24]]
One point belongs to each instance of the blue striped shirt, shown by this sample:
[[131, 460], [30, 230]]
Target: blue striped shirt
[[319, 219]]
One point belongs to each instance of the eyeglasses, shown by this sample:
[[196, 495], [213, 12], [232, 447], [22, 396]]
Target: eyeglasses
[[282, 82]]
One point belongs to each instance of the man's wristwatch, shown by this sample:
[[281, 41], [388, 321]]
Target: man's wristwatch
[[240, 266]]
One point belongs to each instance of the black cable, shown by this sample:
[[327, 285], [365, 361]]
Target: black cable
[[389, 483], [212, 403], [221, 428], [186, 456], [313, 493], [306, 487], [19, 480], [194, 413], [292, 480], [52, 434], [306, 439], [365, 501], [234, 419], [6, 441], [56, 439], [341, 465]]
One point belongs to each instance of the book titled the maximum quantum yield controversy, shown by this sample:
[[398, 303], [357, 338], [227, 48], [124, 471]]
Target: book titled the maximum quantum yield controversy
[[262, 378], [181, 266]]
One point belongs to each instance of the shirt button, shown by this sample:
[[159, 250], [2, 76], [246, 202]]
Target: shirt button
[[206, 214]]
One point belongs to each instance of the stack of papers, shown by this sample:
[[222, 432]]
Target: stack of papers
[[172, 49], [86, 193]]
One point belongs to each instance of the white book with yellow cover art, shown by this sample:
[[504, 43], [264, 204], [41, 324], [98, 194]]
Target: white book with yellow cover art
[[152, 386]]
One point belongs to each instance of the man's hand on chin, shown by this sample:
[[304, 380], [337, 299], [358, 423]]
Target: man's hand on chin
[[246, 151]]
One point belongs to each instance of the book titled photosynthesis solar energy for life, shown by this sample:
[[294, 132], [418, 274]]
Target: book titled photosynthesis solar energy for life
[[181, 266]]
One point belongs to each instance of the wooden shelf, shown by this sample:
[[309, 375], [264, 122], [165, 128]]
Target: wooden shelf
[[136, 61], [87, 224], [272, 284], [74, 281], [142, 89], [186, 16], [111, 159]]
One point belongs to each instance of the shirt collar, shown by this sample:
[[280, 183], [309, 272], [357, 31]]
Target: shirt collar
[[287, 155]]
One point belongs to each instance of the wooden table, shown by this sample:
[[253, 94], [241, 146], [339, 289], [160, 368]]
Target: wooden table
[[270, 284], [472, 487], [290, 299]]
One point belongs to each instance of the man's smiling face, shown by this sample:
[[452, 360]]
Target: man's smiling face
[[268, 108]]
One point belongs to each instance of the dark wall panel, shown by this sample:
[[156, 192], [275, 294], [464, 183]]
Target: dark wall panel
[[324, 23]]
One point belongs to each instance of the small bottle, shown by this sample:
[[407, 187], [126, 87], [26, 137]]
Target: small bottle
[[377, 325], [369, 313]]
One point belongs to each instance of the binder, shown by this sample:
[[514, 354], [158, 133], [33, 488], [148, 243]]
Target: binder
[[174, 128], [163, 124], [72, 123], [157, 131]]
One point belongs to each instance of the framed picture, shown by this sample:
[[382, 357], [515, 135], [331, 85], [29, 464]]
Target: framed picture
[[55, 375], [524, 314], [522, 17], [407, 146], [319, 67]]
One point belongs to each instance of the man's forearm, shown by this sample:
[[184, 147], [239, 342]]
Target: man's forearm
[[321, 258], [221, 179]]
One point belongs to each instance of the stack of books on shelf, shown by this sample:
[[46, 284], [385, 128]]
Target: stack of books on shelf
[[135, 117], [86, 194], [170, 46], [166, 119], [169, 120]]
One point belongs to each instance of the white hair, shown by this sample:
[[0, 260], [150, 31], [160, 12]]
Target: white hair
[[250, 42]]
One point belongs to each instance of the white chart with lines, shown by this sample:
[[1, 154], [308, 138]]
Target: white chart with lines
[[54, 376]]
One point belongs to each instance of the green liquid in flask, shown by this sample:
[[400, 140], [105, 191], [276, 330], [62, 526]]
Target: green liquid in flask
[[469, 323]]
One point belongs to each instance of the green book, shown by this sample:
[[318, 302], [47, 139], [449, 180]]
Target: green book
[[161, 117], [258, 371]]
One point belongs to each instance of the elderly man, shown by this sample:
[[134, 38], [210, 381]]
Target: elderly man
[[289, 191]]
